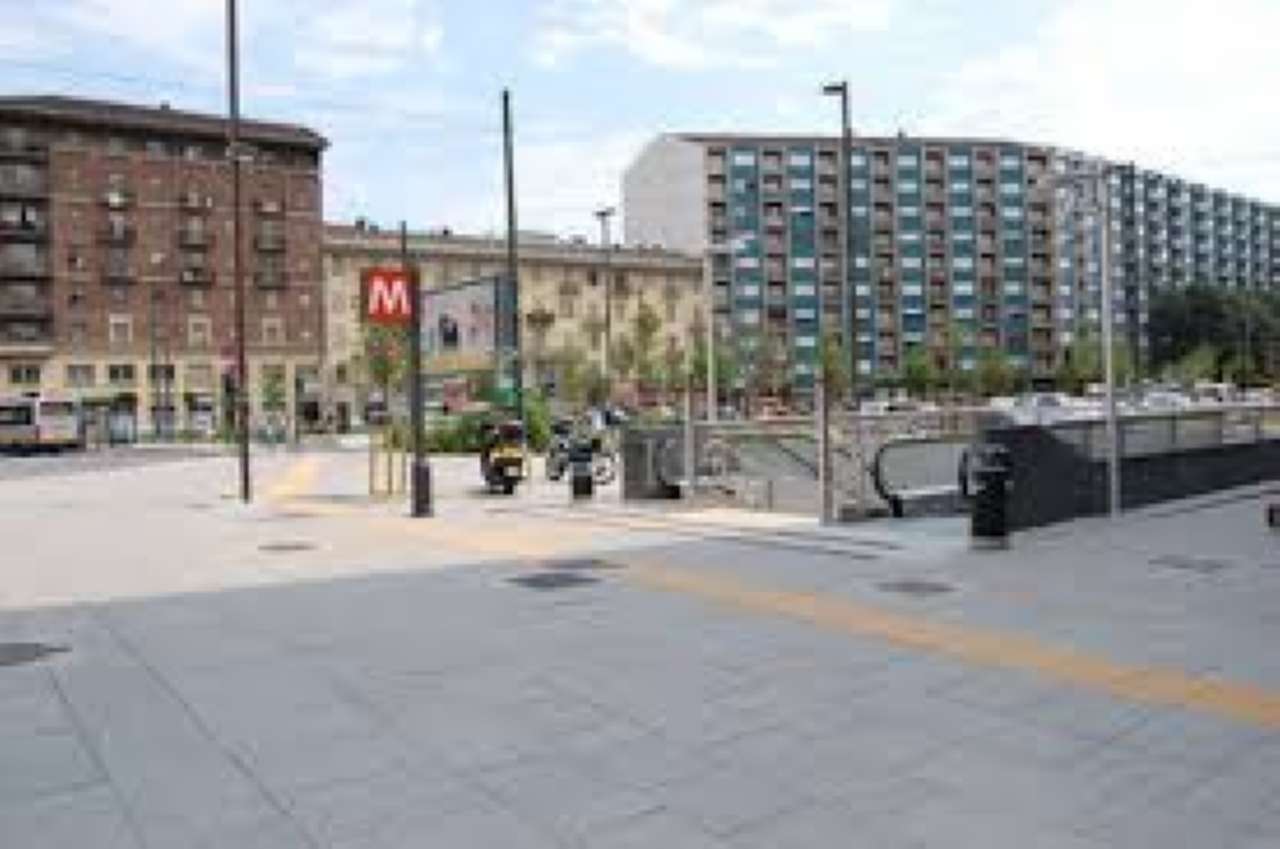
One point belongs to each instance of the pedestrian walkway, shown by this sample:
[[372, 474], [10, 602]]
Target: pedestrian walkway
[[319, 670]]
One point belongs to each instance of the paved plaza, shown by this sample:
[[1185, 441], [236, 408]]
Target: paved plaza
[[318, 670]]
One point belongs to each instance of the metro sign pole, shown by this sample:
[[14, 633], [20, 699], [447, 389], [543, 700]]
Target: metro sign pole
[[392, 297]]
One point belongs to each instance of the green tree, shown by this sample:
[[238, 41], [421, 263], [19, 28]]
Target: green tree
[[919, 375], [537, 421], [623, 359], [1201, 363], [833, 359], [571, 369], [646, 325], [274, 392], [386, 356], [995, 375]]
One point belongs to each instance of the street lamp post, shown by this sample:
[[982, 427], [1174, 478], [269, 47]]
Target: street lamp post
[[822, 394], [604, 215], [1101, 203], [848, 309], [237, 267]]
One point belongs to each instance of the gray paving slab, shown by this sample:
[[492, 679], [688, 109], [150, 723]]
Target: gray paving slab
[[68, 820], [412, 696]]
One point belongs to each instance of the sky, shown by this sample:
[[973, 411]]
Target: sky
[[408, 91]]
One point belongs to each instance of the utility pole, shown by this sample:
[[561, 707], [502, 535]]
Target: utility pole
[[848, 313], [1103, 191], [822, 394], [604, 215], [420, 479], [512, 279], [237, 267]]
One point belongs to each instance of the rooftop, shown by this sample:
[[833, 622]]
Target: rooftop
[[160, 119]]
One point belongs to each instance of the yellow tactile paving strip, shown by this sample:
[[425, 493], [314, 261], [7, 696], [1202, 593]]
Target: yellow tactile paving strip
[[1239, 702], [297, 480], [1244, 703]]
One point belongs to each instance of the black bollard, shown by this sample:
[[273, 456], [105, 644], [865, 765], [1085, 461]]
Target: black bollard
[[989, 517], [582, 482]]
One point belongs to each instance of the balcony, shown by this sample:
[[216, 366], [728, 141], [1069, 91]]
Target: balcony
[[117, 199], [195, 202], [26, 338], [17, 187], [11, 151], [121, 237], [269, 243], [266, 207], [30, 231], [27, 270], [270, 280], [193, 239], [118, 274], [200, 277], [13, 305]]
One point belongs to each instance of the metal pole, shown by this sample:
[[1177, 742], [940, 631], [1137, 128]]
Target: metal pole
[[842, 184], [713, 395], [153, 371], [823, 411], [604, 214], [237, 267], [1108, 352], [420, 471], [512, 279]]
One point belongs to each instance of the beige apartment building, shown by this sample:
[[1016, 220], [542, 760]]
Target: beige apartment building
[[562, 286]]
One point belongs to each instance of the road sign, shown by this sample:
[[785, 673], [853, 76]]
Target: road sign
[[386, 296]]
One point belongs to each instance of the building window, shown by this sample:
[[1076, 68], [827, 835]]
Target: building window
[[908, 160], [745, 158], [199, 376], [80, 374], [272, 331], [199, 331], [24, 374], [120, 329], [121, 373], [799, 159], [160, 373]]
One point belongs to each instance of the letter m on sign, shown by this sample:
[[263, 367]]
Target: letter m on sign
[[386, 296]]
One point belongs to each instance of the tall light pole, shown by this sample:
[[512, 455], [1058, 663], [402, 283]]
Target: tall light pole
[[822, 394], [848, 311], [1101, 205], [237, 262], [509, 173], [605, 215]]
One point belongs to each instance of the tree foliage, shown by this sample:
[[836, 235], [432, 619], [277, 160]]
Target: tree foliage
[[1238, 330], [919, 374]]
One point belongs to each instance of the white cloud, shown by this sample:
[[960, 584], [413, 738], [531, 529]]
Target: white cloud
[[369, 38], [560, 182], [702, 34], [1189, 87], [25, 39], [189, 32]]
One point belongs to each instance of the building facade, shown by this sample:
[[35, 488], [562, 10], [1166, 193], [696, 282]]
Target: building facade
[[563, 304], [942, 246], [116, 257]]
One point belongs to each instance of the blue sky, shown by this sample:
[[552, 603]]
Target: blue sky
[[408, 90]]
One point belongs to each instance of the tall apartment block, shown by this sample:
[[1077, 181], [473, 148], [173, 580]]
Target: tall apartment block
[[948, 246], [116, 251]]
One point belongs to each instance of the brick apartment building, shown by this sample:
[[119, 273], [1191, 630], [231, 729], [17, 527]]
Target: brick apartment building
[[116, 255]]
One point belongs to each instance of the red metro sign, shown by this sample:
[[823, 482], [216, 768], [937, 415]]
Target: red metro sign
[[386, 296]]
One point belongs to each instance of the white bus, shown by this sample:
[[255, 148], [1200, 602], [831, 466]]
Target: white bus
[[46, 423], [18, 424], [59, 423]]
